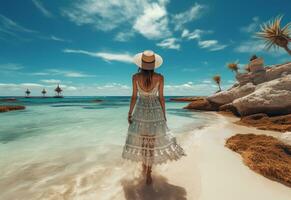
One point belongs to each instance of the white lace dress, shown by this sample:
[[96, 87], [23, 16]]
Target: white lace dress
[[149, 140]]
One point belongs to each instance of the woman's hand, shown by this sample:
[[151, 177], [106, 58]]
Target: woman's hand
[[129, 118], [165, 117]]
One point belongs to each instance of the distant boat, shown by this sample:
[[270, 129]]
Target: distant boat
[[58, 91], [27, 93]]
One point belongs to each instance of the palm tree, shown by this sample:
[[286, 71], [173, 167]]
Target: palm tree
[[43, 92], [58, 91], [233, 67], [27, 92], [217, 80], [274, 35]]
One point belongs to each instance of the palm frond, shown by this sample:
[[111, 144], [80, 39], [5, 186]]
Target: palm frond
[[233, 66], [217, 79], [273, 34]]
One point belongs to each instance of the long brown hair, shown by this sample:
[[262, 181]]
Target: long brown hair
[[147, 75]]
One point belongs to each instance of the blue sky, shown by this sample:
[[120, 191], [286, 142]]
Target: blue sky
[[87, 45]]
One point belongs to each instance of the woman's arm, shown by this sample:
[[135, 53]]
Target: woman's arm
[[133, 98], [161, 96]]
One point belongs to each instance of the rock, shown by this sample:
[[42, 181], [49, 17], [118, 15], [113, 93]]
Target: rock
[[264, 122], [185, 99], [244, 78], [8, 100], [202, 104], [11, 108], [278, 71], [265, 155], [259, 77], [272, 98], [257, 65], [229, 108], [228, 96]]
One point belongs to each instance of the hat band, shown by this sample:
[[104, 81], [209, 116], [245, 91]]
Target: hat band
[[147, 61], [147, 65]]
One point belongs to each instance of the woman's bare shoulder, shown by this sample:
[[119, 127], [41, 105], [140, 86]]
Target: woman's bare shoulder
[[159, 76], [135, 76]]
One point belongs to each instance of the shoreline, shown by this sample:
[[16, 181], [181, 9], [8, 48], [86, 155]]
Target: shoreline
[[212, 171]]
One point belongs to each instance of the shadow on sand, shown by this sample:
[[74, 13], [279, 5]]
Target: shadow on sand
[[136, 189]]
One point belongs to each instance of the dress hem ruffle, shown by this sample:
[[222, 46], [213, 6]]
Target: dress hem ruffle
[[153, 156]]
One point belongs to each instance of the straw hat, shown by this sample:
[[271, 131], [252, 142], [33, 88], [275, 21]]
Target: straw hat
[[148, 60]]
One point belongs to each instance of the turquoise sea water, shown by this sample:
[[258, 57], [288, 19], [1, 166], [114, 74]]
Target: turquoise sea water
[[69, 146]]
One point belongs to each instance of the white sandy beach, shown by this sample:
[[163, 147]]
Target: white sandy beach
[[210, 171]]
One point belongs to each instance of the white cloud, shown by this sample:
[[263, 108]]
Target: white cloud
[[190, 88], [77, 74], [252, 26], [52, 81], [61, 72], [251, 46], [146, 17], [212, 45], [11, 66], [9, 26], [52, 37], [11, 29], [187, 16], [170, 43], [153, 23], [207, 43], [190, 69], [31, 85], [121, 57], [68, 73], [124, 36], [194, 35], [258, 46], [39, 74], [42, 9], [113, 85], [206, 81], [100, 15]]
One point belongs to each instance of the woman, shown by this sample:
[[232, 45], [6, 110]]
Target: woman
[[148, 140]]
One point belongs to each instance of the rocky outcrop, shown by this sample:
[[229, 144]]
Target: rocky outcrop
[[11, 108], [229, 108], [265, 155], [202, 104], [8, 100], [225, 97], [185, 99], [264, 122], [273, 98], [278, 71]]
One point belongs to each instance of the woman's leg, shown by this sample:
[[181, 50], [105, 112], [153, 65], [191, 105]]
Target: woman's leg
[[151, 154], [147, 171], [144, 168], [149, 175]]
